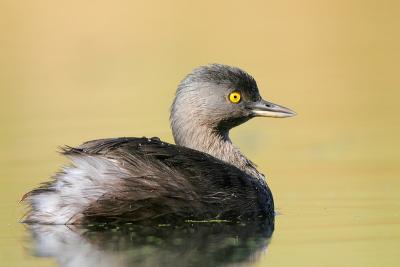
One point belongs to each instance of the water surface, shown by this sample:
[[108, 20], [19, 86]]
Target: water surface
[[191, 244], [72, 71]]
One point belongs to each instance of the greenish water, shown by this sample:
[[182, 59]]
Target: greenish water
[[72, 71]]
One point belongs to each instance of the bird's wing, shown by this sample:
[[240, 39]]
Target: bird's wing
[[136, 179]]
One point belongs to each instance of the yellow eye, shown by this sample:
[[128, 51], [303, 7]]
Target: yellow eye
[[234, 97]]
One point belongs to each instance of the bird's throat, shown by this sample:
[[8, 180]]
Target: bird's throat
[[217, 144]]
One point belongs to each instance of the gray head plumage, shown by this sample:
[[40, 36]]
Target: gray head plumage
[[202, 97], [203, 113]]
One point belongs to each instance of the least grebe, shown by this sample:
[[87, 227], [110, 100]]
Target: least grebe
[[203, 177]]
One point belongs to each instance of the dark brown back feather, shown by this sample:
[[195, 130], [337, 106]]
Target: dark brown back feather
[[170, 183]]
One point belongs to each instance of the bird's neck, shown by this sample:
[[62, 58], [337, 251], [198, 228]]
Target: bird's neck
[[215, 143]]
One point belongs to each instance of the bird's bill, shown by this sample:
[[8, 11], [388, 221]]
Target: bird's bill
[[264, 108]]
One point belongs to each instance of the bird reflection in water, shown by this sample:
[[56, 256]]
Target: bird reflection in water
[[191, 244]]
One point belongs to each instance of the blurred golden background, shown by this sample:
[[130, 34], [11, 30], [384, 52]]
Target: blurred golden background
[[72, 71]]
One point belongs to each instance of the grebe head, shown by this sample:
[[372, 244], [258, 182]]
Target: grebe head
[[217, 98]]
